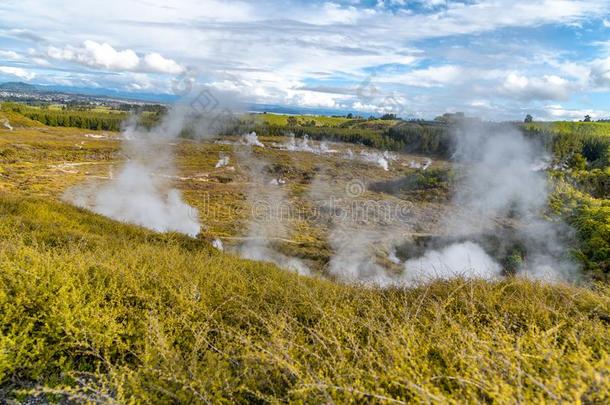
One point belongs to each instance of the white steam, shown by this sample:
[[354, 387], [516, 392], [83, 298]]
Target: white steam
[[458, 260], [392, 257], [382, 159], [222, 162], [5, 122], [248, 139], [251, 139], [217, 244], [268, 222], [497, 185], [140, 193], [138, 197], [420, 165], [353, 258], [304, 145]]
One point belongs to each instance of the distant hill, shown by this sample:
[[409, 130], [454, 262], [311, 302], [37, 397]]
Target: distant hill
[[18, 86], [98, 93]]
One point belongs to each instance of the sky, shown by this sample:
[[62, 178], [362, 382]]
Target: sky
[[497, 59]]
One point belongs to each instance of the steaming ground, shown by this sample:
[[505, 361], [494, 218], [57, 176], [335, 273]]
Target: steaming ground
[[345, 211]]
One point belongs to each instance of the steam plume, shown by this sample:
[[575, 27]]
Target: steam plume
[[498, 184], [5, 122], [140, 193], [267, 200], [497, 193]]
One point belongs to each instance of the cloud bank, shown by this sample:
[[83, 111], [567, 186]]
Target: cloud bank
[[432, 56]]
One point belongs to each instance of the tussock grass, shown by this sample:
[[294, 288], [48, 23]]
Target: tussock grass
[[93, 310]]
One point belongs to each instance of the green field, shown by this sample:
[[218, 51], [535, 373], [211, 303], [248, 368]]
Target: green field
[[571, 128], [281, 119]]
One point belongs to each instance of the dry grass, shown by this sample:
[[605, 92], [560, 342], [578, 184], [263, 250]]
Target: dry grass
[[107, 312], [45, 161]]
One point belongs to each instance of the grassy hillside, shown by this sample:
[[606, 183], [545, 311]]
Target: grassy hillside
[[568, 127], [97, 118], [282, 119], [16, 120], [94, 310]]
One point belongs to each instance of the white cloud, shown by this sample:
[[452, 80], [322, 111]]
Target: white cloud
[[40, 61], [558, 112], [429, 77], [476, 17], [9, 55], [271, 51], [313, 99], [17, 72], [600, 72], [97, 55], [481, 104], [606, 23], [103, 55], [547, 87], [578, 71], [157, 63], [139, 81], [433, 3], [334, 13]]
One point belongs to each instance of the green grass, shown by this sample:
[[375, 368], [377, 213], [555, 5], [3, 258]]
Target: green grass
[[280, 119], [568, 127], [94, 310], [590, 219], [17, 120], [55, 116]]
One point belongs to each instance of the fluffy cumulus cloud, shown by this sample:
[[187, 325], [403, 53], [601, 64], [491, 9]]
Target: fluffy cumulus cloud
[[157, 63], [547, 87], [314, 99], [97, 55], [104, 56]]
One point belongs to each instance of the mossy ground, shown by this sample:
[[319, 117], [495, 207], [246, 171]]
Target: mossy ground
[[92, 310]]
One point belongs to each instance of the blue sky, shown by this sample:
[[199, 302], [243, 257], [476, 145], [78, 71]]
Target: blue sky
[[499, 59]]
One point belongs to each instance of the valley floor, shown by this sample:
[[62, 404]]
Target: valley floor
[[49, 162]]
